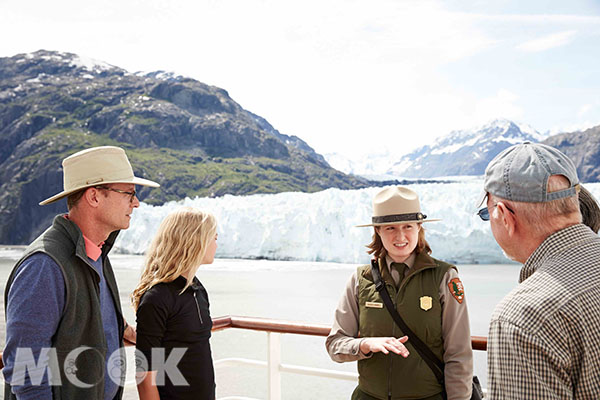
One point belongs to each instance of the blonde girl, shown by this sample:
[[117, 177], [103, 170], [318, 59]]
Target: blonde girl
[[172, 309]]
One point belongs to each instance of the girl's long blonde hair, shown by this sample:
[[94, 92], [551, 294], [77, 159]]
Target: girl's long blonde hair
[[178, 248]]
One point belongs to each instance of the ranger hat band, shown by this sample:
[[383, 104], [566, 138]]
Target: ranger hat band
[[96, 166], [396, 205], [521, 173]]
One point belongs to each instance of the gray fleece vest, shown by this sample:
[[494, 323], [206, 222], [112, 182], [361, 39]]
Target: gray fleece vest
[[81, 321]]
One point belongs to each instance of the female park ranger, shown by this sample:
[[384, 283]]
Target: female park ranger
[[427, 294]]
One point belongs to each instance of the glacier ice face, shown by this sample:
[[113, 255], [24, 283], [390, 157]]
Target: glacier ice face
[[322, 226]]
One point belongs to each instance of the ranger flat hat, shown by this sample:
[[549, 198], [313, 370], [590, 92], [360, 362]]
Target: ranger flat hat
[[96, 166], [397, 205]]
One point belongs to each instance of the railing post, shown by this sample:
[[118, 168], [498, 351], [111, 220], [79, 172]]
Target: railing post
[[273, 363]]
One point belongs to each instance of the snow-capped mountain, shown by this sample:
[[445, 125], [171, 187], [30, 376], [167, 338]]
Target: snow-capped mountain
[[463, 152]]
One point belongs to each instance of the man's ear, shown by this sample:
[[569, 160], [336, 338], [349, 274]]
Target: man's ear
[[507, 218], [91, 197]]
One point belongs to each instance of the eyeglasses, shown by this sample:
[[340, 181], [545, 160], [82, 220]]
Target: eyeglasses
[[484, 213], [131, 194]]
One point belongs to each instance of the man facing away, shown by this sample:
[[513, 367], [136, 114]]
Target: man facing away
[[543, 339], [64, 326]]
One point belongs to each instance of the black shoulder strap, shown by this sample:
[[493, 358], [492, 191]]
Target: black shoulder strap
[[424, 351]]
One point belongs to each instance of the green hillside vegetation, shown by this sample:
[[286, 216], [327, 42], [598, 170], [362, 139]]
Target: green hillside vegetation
[[184, 175]]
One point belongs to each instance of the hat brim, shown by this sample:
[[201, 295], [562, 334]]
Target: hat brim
[[64, 193], [399, 222]]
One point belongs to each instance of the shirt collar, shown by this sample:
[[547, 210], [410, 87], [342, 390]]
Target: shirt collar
[[410, 261], [92, 250], [181, 281], [556, 243]]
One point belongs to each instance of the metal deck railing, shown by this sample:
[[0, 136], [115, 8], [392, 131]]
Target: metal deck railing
[[274, 328]]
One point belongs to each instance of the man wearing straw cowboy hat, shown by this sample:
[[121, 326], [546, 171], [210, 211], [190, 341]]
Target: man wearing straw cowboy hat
[[404, 280], [543, 338], [64, 325]]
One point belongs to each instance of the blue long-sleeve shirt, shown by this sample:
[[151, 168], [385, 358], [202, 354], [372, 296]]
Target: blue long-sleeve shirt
[[36, 300]]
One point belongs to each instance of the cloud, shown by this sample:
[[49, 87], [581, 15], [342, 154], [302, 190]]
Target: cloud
[[547, 42], [502, 104], [584, 109], [538, 19], [575, 127]]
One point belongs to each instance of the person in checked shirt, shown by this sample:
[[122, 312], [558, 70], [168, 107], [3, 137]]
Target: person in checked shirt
[[543, 338]]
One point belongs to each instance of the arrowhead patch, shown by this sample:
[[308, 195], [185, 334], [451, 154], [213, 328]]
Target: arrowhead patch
[[457, 289]]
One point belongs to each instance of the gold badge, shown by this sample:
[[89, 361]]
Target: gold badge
[[372, 304], [426, 303]]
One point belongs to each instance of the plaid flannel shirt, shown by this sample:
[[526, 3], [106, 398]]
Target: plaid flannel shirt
[[544, 340]]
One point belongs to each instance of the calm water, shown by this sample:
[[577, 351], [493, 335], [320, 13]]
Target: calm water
[[294, 291]]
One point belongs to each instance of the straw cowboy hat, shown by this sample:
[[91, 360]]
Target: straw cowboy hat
[[396, 205], [96, 166]]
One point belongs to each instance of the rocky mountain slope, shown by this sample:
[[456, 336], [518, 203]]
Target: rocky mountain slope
[[583, 148], [190, 137]]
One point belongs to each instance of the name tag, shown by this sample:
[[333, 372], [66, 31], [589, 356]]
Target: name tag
[[372, 304]]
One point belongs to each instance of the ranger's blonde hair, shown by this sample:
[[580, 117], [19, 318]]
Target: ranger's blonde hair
[[178, 248]]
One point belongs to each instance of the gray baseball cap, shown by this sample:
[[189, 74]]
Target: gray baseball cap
[[521, 172]]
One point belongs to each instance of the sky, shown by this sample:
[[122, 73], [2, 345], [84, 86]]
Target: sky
[[355, 77]]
